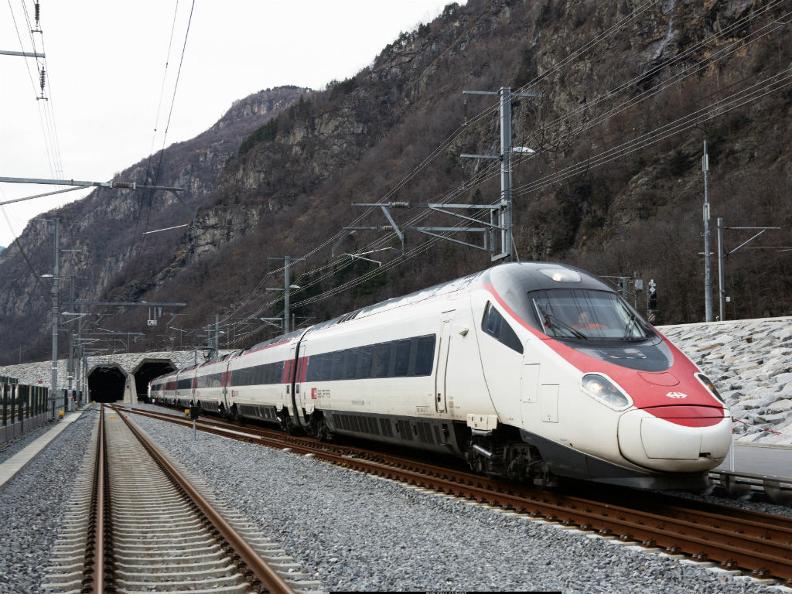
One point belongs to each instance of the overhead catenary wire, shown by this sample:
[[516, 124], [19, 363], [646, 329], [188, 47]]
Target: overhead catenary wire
[[438, 150], [677, 78], [449, 139], [18, 244], [757, 91], [48, 105], [740, 98], [48, 144]]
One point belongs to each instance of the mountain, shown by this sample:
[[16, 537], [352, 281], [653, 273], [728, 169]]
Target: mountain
[[108, 225], [628, 93]]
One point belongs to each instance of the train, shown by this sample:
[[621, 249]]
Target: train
[[536, 372]]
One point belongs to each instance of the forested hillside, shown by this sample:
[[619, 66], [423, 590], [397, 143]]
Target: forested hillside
[[629, 90]]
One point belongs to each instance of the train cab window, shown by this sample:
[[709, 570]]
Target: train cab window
[[583, 314], [496, 326]]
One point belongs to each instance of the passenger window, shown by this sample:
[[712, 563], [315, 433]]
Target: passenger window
[[424, 358], [364, 362], [381, 360], [350, 363], [402, 363], [496, 326]]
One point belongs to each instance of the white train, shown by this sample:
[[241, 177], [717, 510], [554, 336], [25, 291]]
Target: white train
[[531, 371]]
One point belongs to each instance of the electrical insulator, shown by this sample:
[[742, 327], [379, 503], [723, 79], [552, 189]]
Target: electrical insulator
[[42, 78], [37, 7]]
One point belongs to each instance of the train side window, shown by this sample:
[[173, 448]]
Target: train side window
[[326, 366], [424, 358], [402, 362], [363, 362], [350, 363], [496, 326], [381, 362]]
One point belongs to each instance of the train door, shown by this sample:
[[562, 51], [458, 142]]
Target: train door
[[291, 388], [502, 360], [443, 352]]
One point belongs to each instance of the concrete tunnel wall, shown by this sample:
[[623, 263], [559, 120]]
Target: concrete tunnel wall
[[109, 382]]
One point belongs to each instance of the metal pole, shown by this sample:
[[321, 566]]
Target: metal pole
[[707, 249], [217, 332], [56, 272], [721, 271], [286, 283], [506, 173]]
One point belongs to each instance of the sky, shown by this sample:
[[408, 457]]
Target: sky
[[106, 64]]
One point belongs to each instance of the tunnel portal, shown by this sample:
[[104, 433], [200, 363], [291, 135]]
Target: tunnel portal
[[147, 371], [106, 383]]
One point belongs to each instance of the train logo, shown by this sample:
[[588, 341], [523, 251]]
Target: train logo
[[676, 395]]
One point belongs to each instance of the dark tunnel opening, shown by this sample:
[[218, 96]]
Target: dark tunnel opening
[[146, 372], [106, 384]]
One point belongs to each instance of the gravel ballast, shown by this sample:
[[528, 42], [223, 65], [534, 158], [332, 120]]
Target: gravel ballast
[[357, 532], [32, 505]]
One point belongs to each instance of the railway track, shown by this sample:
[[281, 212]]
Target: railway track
[[136, 523], [756, 543]]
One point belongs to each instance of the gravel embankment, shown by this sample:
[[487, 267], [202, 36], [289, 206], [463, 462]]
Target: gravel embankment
[[356, 532], [32, 504]]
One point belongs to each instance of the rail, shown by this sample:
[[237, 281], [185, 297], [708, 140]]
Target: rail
[[737, 539]]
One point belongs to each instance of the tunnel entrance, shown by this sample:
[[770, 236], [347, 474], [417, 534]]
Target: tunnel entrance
[[146, 371], [106, 384]]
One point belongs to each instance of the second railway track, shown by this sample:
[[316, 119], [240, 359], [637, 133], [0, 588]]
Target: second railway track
[[137, 524], [754, 542]]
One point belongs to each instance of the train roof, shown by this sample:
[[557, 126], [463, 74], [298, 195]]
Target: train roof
[[537, 276], [529, 276]]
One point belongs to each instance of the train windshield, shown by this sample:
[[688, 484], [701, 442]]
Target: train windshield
[[585, 314]]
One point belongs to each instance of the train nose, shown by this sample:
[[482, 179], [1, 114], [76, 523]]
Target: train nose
[[675, 438]]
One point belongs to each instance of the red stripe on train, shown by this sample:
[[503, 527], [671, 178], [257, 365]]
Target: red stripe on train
[[645, 393]]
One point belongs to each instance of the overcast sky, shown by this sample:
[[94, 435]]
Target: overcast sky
[[106, 62]]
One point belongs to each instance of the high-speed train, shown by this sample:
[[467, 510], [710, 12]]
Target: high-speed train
[[531, 371]]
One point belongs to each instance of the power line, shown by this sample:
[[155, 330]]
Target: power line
[[739, 99], [47, 142], [48, 107], [438, 150], [748, 95], [18, 245]]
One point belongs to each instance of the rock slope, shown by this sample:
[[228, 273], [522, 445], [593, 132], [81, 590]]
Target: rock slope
[[751, 363]]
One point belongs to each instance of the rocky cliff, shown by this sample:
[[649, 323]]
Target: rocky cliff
[[628, 92]]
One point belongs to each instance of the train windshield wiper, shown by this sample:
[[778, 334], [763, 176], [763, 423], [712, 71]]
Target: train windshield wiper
[[632, 322], [552, 321]]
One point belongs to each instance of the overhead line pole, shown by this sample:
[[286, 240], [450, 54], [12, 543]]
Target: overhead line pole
[[504, 214], [707, 248], [286, 286], [55, 316]]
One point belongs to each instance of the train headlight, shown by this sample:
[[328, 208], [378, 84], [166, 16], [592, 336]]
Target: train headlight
[[710, 386], [604, 390]]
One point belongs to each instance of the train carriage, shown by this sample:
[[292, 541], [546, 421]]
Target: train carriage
[[210, 384], [260, 379], [531, 371]]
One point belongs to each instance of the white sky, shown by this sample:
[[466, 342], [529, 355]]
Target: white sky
[[106, 61]]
